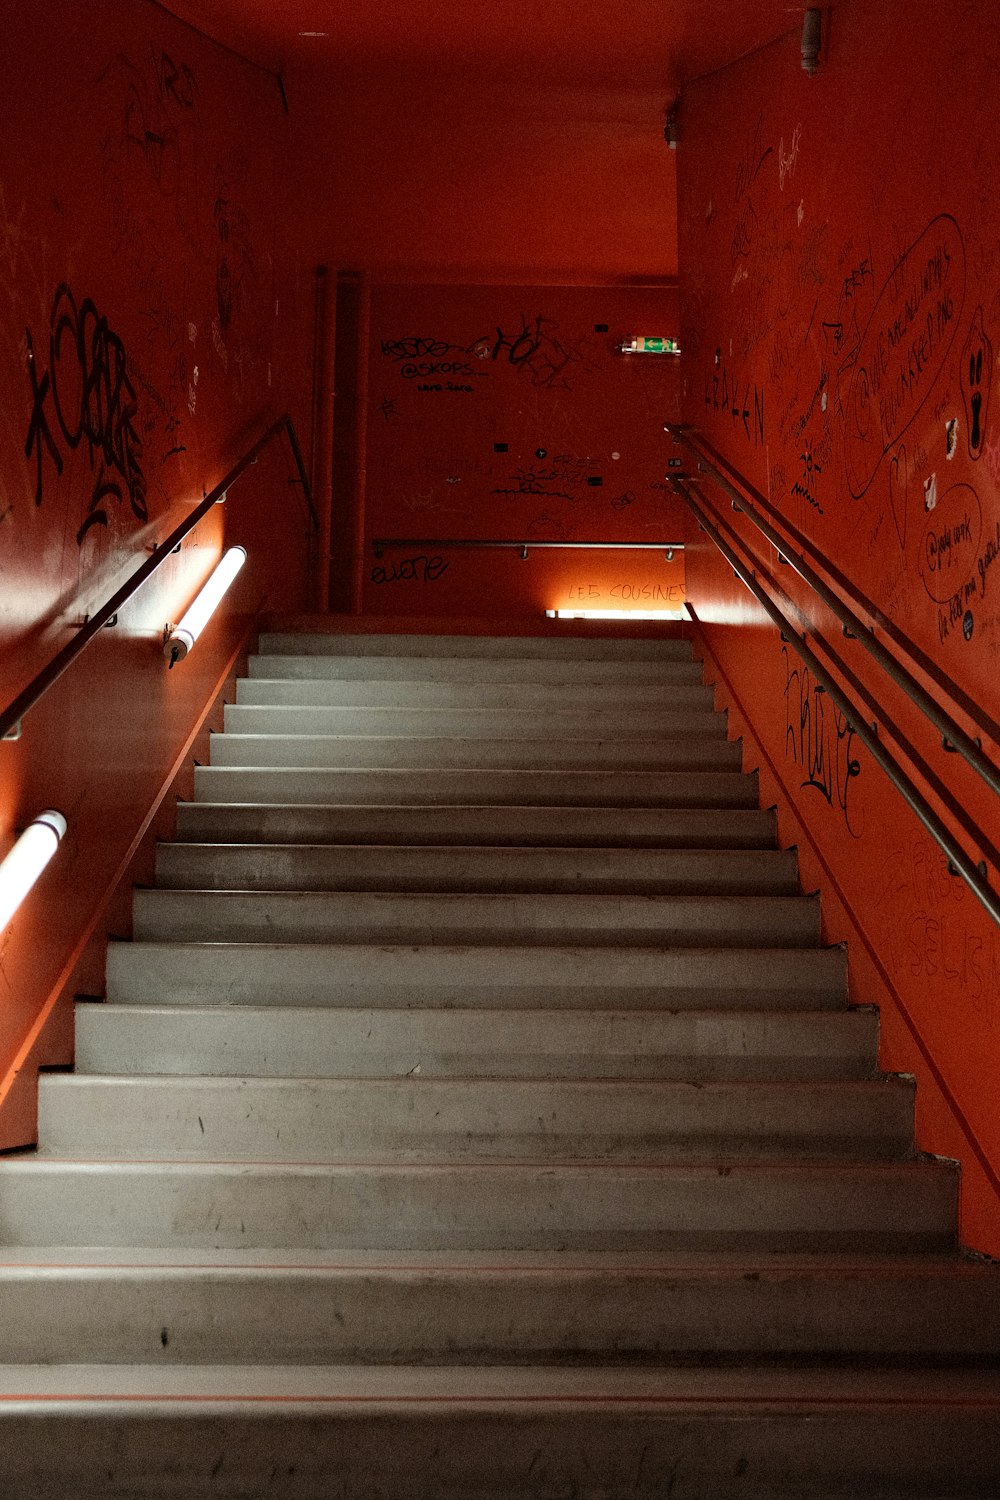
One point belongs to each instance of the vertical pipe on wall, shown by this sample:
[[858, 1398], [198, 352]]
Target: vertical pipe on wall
[[360, 448], [322, 448]]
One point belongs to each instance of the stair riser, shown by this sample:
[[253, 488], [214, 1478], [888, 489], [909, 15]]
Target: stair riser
[[700, 1047], [317, 974], [495, 827], [528, 1451], [491, 649], [608, 699], [533, 726], [678, 754], [456, 1316], [408, 1119], [657, 676], [351, 917], [699, 789], [380, 868], [800, 1207]]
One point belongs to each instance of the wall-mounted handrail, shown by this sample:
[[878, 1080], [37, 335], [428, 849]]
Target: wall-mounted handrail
[[974, 875], [950, 731], [26, 700], [746, 498], [380, 544]]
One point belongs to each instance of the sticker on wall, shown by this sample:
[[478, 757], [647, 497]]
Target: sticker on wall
[[930, 492], [951, 437]]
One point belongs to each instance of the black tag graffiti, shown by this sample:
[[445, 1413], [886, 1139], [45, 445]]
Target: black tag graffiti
[[88, 389]]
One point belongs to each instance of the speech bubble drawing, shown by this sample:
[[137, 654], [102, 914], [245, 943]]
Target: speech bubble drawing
[[904, 347], [950, 543]]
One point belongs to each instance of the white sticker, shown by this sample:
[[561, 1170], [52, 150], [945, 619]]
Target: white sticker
[[930, 492]]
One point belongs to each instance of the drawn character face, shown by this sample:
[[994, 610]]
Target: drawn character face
[[977, 378]]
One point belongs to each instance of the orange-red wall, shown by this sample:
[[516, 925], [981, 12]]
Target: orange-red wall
[[141, 348], [412, 172], [508, 413], [840, 243]]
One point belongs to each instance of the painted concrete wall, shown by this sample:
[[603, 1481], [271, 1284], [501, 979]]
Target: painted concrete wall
[[510, 413], [840, 246], [141, 338]]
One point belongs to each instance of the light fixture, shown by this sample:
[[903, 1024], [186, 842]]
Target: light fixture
[[615, 614], [27, 860], [181, 637], [812, 35]]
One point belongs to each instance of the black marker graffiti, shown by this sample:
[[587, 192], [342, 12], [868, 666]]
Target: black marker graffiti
[[722, 393], [976, 370], [562, 478], [806, 485], [88, 388], [749, 166], [535, 350], [389, 409], [418, 569], [417, 348], [177, 82], [433, 369], [534, 482], [819, 740], [901, 353]]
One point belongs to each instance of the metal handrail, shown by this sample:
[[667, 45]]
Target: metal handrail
[[953, 735], [379, 545], [26, 700], [974, 875]]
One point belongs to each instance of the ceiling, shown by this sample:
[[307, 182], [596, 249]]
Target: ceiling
[[613, 44]]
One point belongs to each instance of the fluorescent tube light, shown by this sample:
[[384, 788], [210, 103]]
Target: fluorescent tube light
[[27, 860], [182, 636], [615, 614]]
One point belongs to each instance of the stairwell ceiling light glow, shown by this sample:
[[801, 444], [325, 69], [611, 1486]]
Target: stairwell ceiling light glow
[[27, 860], [182, 636]]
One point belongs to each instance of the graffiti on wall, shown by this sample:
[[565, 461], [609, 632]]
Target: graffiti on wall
[[81, 394], [820, 742], [903, 348]]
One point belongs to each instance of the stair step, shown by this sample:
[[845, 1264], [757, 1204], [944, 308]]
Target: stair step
[[318, 1432], [424, 647], [241, 916], [565, 788], [659, 674], [275, 1307], [634, 828], [760, 1206], [613, 701], [315, 1042], [383, 975], [681, 753], [417, 1119], [617, 873], [533, 727]]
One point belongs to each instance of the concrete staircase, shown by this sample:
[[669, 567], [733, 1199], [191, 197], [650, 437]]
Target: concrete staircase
[[476, 1113]]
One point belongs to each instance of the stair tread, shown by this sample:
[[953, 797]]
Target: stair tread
[[52, 1259], [709, 1167], [470, 1385]]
